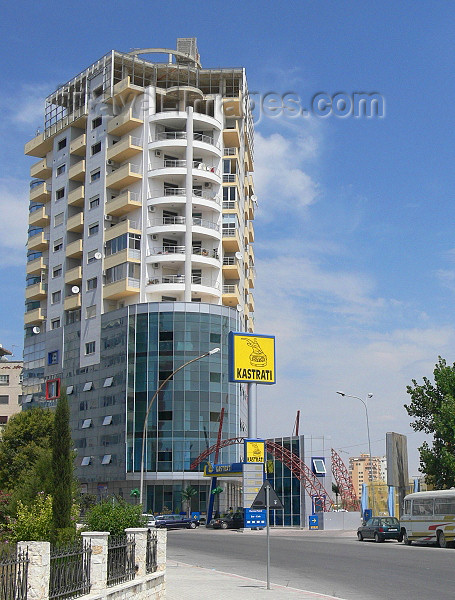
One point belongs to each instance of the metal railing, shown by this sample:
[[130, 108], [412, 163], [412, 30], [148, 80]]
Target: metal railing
[[195, 279], [13, 574], [181, 135], [231, 232], [151, 562], [229, 204], [230, 151], [229, 177], [70, 571], [121, 561], [229, 261], [230, 289], [181, 250]]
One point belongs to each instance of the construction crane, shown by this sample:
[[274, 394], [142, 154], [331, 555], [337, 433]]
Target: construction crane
[[344, 482]]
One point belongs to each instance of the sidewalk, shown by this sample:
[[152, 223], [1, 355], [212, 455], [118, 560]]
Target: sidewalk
[[197, 583]]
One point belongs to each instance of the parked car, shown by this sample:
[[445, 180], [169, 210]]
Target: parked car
[[176, 521], [151, 521], [380, 529], [234, 521]]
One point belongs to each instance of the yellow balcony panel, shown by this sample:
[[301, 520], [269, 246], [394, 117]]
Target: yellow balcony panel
[[40, 170], [231, 136], [34, 267], [121, 289], [38, 146], [231, 240], [126, 255], [38, 217], [37, 291], [72, 302], [77, 171], [251, 302], [125, 90], [123, 204], [233, 107], [230, 295], [76, 222], [250, 254], [231, 207], [40, 193], [38, 242], [250, 324], [74, 249], [124, 176], [123, 123], [79, 145], [125, 226], [124, 149], [34, 317], [251, 278], [73, 275], [249, 166], [245, 235], [251, 207], [231, 268], [250, 232], [76, 197]]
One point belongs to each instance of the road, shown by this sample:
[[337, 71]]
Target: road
[[333, 563]]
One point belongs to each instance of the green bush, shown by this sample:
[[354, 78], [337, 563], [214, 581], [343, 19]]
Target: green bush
[[33, 522], [114, 516]]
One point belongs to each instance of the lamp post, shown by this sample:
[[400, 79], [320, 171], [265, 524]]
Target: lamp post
[[370, 395], [144, 430]]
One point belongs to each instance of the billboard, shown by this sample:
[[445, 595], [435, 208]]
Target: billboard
[[254, 451], [397, 460], [251, 358]]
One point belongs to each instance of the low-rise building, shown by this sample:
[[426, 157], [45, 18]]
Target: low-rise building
[[10, 387]]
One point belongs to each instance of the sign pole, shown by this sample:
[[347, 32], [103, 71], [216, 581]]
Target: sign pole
[[267, 506], [252, 411]]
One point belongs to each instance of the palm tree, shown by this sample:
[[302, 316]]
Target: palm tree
[[186, 495], [336, 491]]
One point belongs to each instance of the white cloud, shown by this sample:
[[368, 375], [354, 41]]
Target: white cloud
[[24, 105], [13, 224]]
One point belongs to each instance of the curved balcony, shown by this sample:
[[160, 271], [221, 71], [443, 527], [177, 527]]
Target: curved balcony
[[173, 139], [175, 284], [173, 254], [175, 119], [203, 227], [175, 196]]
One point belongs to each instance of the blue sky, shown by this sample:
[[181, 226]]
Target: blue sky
[[354, 243]]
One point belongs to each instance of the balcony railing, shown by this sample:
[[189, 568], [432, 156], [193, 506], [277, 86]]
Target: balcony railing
[[181, 135], [230, 151], [196, 192], [195, 279], [229, 177], [229, 232], [181, 250], [230, 205]]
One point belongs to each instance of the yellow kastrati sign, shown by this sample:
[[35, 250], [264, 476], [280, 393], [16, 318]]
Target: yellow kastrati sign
[[252, 358], [255, 452]]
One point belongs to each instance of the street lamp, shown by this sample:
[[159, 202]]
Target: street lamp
[[370, 395], [144, 430]]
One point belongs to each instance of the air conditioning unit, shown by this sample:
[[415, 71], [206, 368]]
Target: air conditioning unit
[[152, 209], [157, 152], [104, 273], [207, 185], [108, 217], [154, 237], [109, 162], [156, 265]]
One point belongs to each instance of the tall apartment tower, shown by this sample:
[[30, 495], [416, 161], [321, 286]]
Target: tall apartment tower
[[140, 258]]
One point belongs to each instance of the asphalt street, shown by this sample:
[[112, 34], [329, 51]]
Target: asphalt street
[[332, 563]]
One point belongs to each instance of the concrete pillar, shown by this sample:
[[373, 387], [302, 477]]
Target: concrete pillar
[[98, 562], [39, 567], [161, 541], [189, 203], [140, 552]]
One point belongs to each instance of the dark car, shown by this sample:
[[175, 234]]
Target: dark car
[[380, 529], [234, 521], [176, 522]]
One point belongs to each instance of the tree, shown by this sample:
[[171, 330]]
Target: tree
[[24, 436], [433, 409], [62, 466], [336, 491], [187, 495], [115, 516]]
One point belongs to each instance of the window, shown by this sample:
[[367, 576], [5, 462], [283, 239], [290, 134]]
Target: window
[[90, 311], [61, 169], [86, 423], [55, 323], [92, 283], [122, 271], [318, 466], [28, 398], [56, 297], [57, 271], [97, 122], [90, 348], [91, 256], [106, 459], [215, 377], [95, 175], [422, 507], [4, 379], [108, 382], [3, 420], [215, 338], [60, 193], [94, 202], [58, 219], [69, 389], [86, 460], [93, 229], [107, 420], [87, 386], [165, 415], [4, 399], [96, 148], [52, 357], [58, 244], [52, 389], [61, 144]]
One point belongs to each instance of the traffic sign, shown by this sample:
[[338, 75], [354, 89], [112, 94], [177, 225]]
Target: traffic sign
[[261, 500], [255, 518]]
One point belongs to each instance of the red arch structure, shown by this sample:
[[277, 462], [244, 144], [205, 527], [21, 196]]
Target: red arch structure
[[344, 482], [309, 481]]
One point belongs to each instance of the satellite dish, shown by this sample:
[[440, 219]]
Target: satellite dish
[[238, 255], [36, 329], [98, 255], [75, 289], [239, 308], [254, 198]]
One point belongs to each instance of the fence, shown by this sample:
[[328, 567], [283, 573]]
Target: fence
[[70, 571], [151, 564], [13, 574], [120, 559]]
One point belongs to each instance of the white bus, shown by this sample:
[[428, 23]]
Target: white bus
[[429, 517]]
